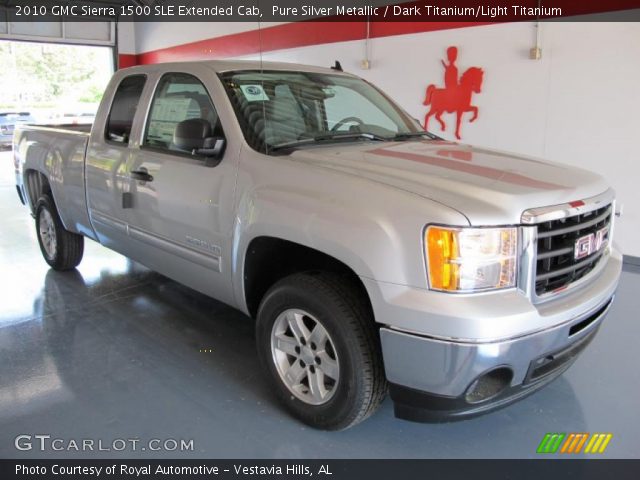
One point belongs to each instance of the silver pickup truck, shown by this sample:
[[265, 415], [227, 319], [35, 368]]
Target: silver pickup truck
[[374, 256]]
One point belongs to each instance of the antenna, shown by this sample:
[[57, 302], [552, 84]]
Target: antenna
[[337, 66]]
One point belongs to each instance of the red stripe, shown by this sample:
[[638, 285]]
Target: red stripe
[[480, 171], [126, 60], [308, 33], [290, 35], [456, 154]]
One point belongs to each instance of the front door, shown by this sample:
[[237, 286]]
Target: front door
[[180, 212]]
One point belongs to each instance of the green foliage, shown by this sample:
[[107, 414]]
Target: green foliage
[[36, 74], [92, 95]]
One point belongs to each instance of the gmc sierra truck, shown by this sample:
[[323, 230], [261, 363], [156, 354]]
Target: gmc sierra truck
[[374, 256]]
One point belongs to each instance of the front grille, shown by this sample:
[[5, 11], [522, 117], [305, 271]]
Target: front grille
[[557, 265]]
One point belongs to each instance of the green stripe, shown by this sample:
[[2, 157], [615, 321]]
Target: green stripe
[[547, 448], [541, 447], [558, 442]]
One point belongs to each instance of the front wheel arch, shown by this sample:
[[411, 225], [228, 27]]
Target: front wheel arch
[[270, 259]]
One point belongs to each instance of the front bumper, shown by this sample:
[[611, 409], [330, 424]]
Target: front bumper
[[436, 378], [541, 358]]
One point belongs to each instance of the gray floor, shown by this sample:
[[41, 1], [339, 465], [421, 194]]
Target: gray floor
[[113, 351]]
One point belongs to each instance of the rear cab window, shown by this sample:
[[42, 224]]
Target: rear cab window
[[123, 109]]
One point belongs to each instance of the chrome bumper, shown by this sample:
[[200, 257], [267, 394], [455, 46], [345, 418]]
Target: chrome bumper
[[439, 371], [454, 370]]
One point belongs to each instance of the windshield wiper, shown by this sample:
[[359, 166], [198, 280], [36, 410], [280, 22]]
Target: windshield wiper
[[328, 137], [405, 135], [333, 136]]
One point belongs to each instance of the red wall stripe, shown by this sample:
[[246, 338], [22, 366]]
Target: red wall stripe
[[127, 60], [290, 35], [308, 33]]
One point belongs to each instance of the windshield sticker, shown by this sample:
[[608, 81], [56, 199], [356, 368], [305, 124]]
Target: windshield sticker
[[254, 93]]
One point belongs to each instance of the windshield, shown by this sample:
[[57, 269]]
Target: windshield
[[279, 109]]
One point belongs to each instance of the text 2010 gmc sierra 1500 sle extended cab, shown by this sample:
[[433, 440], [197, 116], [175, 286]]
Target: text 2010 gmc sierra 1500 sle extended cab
[[373, 255]]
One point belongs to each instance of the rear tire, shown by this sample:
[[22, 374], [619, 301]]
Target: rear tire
[[318, 343], [61, 249]]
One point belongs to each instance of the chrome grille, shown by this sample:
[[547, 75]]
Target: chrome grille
[[559, 261]]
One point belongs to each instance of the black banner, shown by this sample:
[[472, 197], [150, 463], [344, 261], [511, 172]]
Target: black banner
[[316, 10], [543, 469]]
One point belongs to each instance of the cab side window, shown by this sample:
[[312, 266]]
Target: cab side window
[[182, 115], [123, 109]]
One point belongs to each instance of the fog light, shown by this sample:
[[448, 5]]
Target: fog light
[[489, 384]]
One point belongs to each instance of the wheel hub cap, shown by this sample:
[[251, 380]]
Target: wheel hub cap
[[305, 356], [48, 233]]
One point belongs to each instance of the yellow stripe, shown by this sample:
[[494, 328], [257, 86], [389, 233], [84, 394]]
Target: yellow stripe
[[590, 444], [567, 442], [605, 443], [582, 440], [594, 449]]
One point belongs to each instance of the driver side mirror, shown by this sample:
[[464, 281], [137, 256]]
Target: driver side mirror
[[195, 135], [212, 148]]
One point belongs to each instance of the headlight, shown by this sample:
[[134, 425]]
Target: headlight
[[471, 259]]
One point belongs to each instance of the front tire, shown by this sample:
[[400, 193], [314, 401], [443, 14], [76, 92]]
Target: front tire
[[61, 249], [319, 345]]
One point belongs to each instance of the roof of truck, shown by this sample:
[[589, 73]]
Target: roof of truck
[[232, 65]]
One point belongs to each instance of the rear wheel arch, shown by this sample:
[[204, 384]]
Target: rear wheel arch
[[36, 185]]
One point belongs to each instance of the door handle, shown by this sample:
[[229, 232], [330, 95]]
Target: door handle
[[141, 175]]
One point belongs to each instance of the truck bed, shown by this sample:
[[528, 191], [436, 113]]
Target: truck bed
[[65, 127], [55, 152]]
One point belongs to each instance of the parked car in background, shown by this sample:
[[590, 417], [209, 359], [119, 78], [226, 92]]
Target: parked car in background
[[8, 121], [73, 118], [73, 114]]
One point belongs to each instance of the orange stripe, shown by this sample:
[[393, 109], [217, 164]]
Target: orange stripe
[[567, 442], [574, 443], [584, 439]]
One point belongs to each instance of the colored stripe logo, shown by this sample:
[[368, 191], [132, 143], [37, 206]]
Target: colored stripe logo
[[574, 443]]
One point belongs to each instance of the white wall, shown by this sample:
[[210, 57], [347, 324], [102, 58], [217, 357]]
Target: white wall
[[126, 38], [579, 104]]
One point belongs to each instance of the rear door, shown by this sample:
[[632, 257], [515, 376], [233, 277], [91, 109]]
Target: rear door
[[108, 152], [181, 211]]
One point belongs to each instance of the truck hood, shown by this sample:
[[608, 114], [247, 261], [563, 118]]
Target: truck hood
[[489, 187]]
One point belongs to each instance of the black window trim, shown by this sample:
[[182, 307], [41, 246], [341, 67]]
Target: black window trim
[[113, 98]]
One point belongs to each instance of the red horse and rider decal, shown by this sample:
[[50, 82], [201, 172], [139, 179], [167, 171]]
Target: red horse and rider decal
[[455, 97]]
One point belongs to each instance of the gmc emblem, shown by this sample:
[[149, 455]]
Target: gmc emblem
[[589, 244]]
